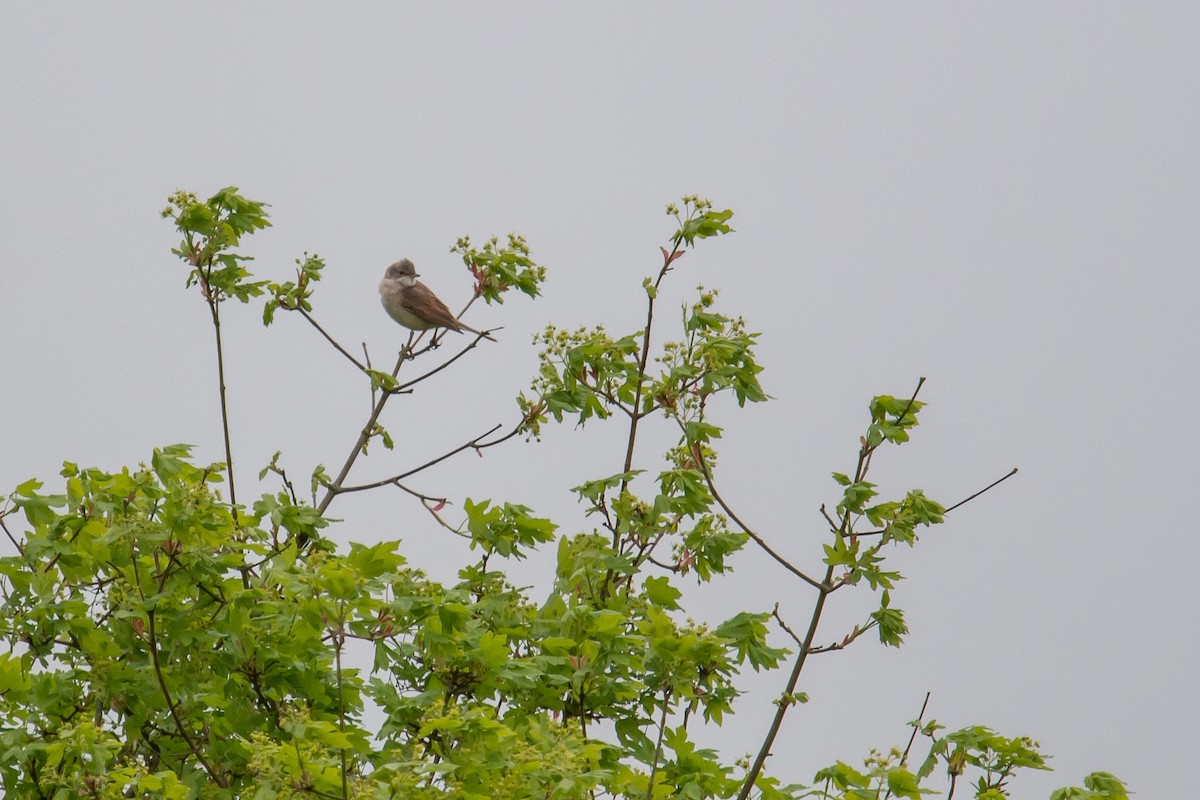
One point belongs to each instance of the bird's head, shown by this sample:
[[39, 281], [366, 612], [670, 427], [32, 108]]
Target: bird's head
[[402, 271]]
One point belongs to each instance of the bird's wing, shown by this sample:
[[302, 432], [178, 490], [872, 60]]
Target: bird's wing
[[422, 302]]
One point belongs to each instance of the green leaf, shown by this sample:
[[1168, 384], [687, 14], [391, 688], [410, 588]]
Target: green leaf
[[660, 592], [14, 681], [903, 783], [842, 775], [890, 622]]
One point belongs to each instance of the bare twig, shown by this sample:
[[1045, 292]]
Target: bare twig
[[981, 491], [848, 639], [330, 339], [911, 400], [833, 526], [438, 502], [662, 564], [471, 346], [746, 529], [475, 444], [784, 625], [11, 538], [215, 312]]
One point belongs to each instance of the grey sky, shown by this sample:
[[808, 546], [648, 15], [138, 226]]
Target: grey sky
[[1000, 197]]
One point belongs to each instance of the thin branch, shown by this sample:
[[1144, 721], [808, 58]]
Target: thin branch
[[339, 642], [214, 309], [749, 532], [643, 359], [911, 400], [438, 502], [833, 526], [981, 491], [662, 728], [407, 352], [364, 435], [662, 564], [471, 346], [374, 399], [11, 538], [849, 638], [171, 706], [916, 728], [330, 339], [784, 625], [475, 443]]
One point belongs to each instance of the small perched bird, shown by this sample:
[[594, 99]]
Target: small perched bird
[[413, 305]]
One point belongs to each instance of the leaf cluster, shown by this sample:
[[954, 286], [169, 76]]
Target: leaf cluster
[[211, 229]]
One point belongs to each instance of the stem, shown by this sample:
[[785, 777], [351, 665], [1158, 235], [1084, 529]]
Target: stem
[[642, 360], [162, 684], [824, 590], [437, 369], [339, 641], [662, 727], [214, 308], [708, 479], [981, 491], [330, 339], [475, 443], [11, 538], [916, 728], [785, 701]]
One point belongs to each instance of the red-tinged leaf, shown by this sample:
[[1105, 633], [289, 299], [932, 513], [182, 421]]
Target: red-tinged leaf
[[441, 504], [669, 257], [139, 627]]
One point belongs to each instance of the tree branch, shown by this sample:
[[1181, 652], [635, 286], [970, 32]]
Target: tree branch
[[214, 310], [643, 359], [981, 491], [785, 701], [330, 339], [474, 443], [750, 532]]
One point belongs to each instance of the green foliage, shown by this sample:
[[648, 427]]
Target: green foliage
[[164, 642], [211, 228], [1098, 786], [499, 268], [697, 220], [295, 295]]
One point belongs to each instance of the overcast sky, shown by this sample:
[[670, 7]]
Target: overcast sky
[[1001, 197]]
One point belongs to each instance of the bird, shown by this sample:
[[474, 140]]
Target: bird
[[414, 305]]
